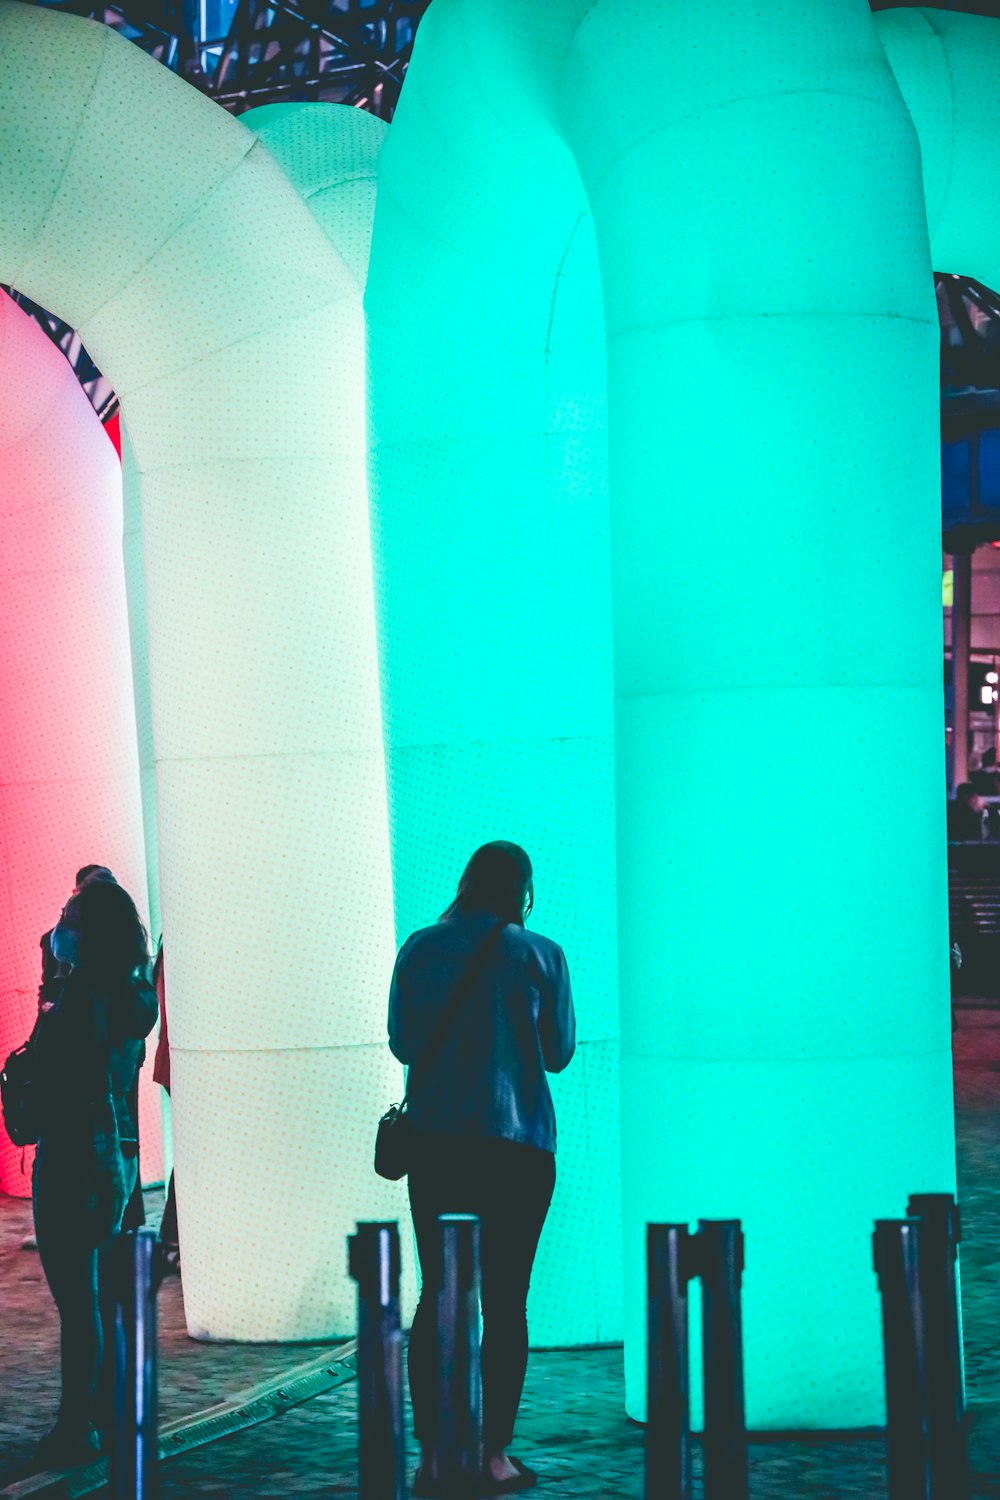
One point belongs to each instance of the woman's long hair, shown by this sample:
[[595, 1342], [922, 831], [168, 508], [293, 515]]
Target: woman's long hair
[[498, 879], [112, 939]]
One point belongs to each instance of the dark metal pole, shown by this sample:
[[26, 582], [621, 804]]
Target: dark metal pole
[[720, 1265], [668, 1410], [897, 1265], [373, 1261], [939, 1233], [459, 1450], [134, 1459]]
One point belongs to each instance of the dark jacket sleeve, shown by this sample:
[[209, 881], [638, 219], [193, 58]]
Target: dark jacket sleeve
[[556, 1019], [137, 1007], [52, 972]]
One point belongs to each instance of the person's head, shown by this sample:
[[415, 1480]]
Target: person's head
[[966, 794], [101, 923], [497, 879], [92, 872]]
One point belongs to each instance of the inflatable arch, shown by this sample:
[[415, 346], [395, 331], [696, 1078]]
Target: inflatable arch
[[784, 1033], [216, 304], [69, 774], [765, 282]]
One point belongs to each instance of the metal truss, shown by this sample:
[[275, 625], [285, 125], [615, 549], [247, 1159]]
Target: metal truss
[[348, 52], [969, 314], [249, 52], [96, 386]]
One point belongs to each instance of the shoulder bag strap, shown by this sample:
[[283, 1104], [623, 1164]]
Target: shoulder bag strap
[[449, 1015]]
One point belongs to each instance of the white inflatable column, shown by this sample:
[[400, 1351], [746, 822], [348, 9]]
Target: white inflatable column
[[231, 329]]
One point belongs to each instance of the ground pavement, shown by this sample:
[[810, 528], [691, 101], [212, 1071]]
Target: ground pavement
[[571, 1422]]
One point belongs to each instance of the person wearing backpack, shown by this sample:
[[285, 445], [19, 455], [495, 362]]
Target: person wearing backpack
[[86, 1052], [481, 1126], [54, 974]]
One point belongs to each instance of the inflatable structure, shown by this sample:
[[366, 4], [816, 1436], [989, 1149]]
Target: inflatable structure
[[654, 501], [69, 771], [750, 246], [210, 296]]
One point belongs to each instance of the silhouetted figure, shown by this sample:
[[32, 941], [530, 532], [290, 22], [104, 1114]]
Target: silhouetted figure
[[53, 972], [965, 815], [483, 1127], [53, 975], [986, 781], [87, 1050]]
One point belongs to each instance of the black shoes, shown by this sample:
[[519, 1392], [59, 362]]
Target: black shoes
[[68, 1446], [524, 1479]]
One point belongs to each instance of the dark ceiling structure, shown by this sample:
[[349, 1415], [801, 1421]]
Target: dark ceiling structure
[[249, 52]]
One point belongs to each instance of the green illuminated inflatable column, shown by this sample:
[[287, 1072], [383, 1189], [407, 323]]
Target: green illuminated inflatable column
[[947, 66], [772, 415], [772, 378], [488, 496]]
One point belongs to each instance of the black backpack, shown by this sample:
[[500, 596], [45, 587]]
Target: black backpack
[[17, 1095]]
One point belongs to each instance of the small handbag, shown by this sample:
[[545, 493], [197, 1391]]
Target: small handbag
[[17, 1095], [393, 1139]]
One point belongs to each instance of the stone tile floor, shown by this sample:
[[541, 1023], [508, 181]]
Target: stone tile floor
[[571, 1422]]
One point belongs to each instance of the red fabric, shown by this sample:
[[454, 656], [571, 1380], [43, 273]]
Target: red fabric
[[161, 1062], [114, 431]]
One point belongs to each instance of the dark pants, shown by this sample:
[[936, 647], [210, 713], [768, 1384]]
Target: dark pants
[[135, 1208], [168, 1223], [79, 1276], [509, 1187]]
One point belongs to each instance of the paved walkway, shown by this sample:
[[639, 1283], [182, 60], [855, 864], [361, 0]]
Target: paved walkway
[[571, 1423]]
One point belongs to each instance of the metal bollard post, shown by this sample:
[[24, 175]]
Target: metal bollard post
[[720, 1265], [939, 1233], [373, 1261], [668, 1410], [897, 1265], [459, 1447], [134, 1458]]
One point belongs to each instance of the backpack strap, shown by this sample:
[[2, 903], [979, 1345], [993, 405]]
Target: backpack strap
[[449, 1015]]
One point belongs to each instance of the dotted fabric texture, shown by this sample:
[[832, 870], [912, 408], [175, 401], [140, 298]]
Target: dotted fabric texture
[[946, 66], [489, 513], [135, 590], [330, 152], [782, 259], [605, 342], [69, 774], [232, 329], [310, 1111], [769, 400]]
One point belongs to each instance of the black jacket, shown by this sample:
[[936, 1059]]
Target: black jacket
[[88, 1048]]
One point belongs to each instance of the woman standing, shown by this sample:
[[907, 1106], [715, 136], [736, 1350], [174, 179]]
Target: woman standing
[[87, 1051], [483, 1126]]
